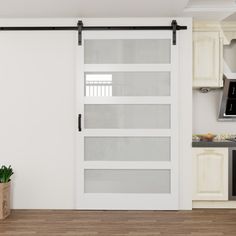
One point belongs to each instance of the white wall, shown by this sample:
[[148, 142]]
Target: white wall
[[185, 107], [38, 117], [37, 107], [206, 111]]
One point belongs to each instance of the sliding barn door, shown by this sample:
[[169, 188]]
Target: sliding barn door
[[127, 145]]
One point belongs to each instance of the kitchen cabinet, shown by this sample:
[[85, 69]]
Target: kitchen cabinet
[[207, 59], [210, 173]]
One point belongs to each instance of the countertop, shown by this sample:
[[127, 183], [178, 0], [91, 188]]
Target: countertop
[[223, 143]]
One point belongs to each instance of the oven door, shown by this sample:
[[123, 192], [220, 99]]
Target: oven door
[[231, 107], [232, 173]]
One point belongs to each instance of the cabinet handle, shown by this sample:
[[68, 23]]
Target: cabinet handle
[[79, 122]]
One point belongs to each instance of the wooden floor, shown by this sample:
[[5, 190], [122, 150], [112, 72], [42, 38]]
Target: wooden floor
[[130, 223]]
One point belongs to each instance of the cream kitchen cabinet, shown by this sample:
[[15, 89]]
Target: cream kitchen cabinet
[[210, 173], [207, 59]]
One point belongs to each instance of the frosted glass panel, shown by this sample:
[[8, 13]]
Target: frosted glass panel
[[127, 116], [127, 84], [127, 181], [127, 51], [127, 149]]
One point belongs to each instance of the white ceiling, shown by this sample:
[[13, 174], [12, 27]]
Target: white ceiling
[[200, 9], [210, 9], [91, 8], [211, 3]]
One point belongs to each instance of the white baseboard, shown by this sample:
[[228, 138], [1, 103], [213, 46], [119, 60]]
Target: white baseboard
[[214, 204]]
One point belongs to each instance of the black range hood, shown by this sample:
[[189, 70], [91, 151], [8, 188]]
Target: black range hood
[[228, 102]]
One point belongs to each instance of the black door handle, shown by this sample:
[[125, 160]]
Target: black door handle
[[79, 122]]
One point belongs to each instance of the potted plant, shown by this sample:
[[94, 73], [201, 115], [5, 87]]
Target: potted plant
[[5, 181]]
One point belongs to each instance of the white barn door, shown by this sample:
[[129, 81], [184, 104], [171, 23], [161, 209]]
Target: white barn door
[[127, 95]]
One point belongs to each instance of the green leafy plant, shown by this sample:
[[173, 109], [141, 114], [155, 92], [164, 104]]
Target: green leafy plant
[[5, 174]]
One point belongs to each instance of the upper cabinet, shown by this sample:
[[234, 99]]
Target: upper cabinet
[[207, 59]]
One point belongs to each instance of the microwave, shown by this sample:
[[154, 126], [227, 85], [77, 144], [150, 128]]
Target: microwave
[[228, 102]]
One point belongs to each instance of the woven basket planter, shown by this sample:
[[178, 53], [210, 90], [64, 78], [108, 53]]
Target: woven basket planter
[[5, 200]]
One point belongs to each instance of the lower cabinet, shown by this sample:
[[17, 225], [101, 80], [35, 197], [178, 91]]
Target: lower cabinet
[[210, 173]]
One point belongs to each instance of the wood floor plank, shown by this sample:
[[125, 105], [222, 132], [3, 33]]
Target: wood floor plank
[[200, 222]]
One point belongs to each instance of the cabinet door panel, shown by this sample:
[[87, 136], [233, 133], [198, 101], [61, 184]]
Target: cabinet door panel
[[206, 59], [210, 170]]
